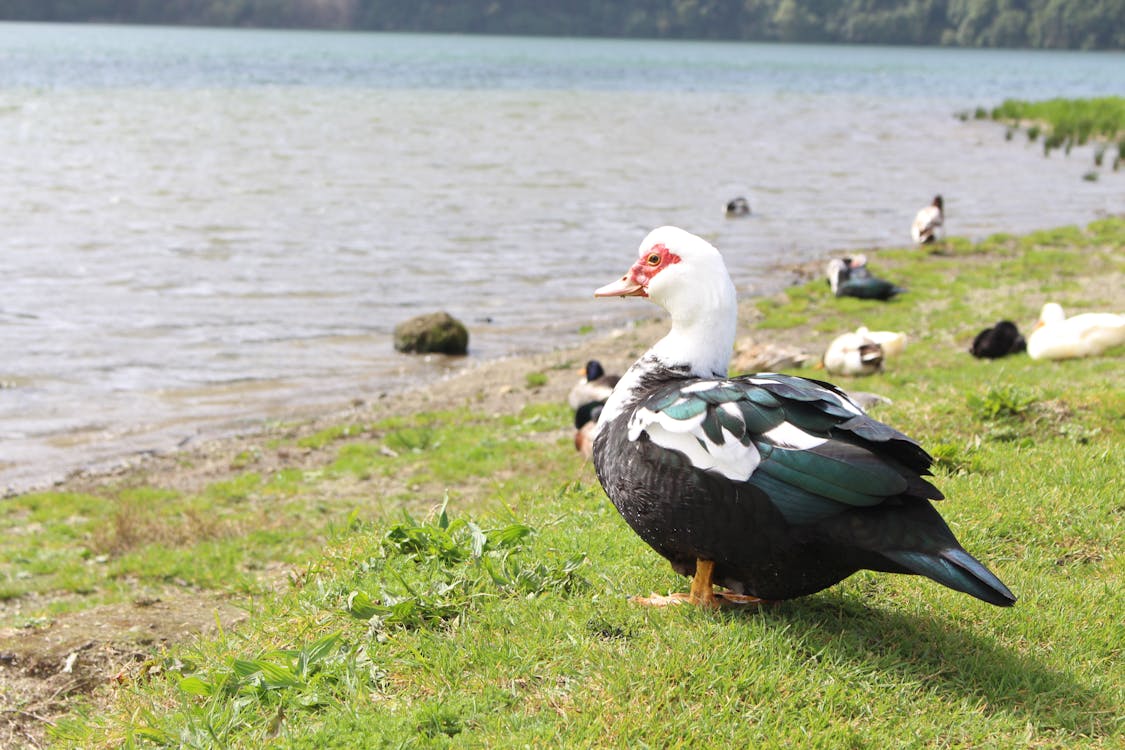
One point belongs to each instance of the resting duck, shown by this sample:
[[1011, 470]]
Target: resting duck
[[850, 277], [893, 342], [927, 222], [771, 485], [765, 355], [585, 425], [1056, 336], [853, 354], [738, 207], [595, 386], [998, 341]]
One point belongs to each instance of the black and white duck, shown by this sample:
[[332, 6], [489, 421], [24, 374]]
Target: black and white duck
[[927, 222], [595, 385], [850, 277], [585, 427], [737, 207], [772, 486]]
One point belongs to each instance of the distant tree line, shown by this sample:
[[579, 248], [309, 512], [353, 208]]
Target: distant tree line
[[1054, 24]]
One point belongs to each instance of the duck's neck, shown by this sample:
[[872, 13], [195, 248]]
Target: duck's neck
[[704, 317], [699, 345]]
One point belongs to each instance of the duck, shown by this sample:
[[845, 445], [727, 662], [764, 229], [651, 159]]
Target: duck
[[853, 354], [1056, 336], [770, 486], [928, 221], [737, 207], [893, 343], [999, 340], [595, 385], [766, 355], [585, 425], [850, 277]]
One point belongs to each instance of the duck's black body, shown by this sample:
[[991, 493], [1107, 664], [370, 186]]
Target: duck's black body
[[804, 518], [1002, 339]]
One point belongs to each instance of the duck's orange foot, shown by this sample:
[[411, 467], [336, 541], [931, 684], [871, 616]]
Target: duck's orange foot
[[716, 600], [702, 593], [657, 600]]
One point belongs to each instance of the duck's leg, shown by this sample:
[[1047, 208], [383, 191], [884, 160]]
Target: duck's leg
[[702, 589]]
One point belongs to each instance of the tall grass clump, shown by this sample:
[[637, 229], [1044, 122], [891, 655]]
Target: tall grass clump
[[1066, 122]]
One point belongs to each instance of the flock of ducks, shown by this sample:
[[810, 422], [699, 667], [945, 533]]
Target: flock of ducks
[[1053, 337], [864, 352]]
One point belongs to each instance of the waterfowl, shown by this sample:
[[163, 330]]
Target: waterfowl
[[595, 385], [1056, 336], [850, 277], [1000, 340], [928, 221], [893, 343], [772, 486], [853, 354], [757, 356], [585, 424], [737, 207]]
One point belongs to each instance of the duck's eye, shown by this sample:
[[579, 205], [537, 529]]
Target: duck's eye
[[653, 260]]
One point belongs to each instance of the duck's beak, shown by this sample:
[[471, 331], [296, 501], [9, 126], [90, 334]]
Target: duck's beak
[[623, 287]]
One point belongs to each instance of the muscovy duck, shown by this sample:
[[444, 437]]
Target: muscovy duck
[[595, 386], [1000, 340], [850, 277], [1056, 336], [772, 486], [927, 222]]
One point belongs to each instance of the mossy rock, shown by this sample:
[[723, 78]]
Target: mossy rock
[[436, 332]]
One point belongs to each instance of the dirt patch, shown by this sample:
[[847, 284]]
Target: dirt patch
[[42, 670]]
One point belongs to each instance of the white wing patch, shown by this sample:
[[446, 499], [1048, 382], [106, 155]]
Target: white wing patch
[[789, 435], [704, 385], [732, 459]]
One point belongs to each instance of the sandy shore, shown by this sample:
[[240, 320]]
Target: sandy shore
[[497, 386]]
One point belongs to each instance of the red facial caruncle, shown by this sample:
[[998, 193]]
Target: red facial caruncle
[[651, 263], [635, 282]]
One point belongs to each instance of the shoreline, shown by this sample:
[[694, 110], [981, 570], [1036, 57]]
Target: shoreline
[[492, 381]]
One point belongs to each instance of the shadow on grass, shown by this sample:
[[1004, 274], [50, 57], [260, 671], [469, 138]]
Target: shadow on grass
[[949, 659]]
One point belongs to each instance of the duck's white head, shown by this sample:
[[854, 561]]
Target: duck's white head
[[1051, 313], [686, 276], [835, 269]]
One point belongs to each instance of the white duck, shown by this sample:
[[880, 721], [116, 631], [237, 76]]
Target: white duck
[[928, 221], [853, 354], [893, 342], [771, 485], [1056, 336]]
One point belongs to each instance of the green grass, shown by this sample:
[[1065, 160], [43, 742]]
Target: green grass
[[1068, 122], [460, 580]]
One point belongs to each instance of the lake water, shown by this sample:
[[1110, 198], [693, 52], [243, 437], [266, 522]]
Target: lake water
[[204, 229]]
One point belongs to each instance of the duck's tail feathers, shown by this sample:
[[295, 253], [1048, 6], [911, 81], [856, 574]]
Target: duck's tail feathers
[[958, 570]]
